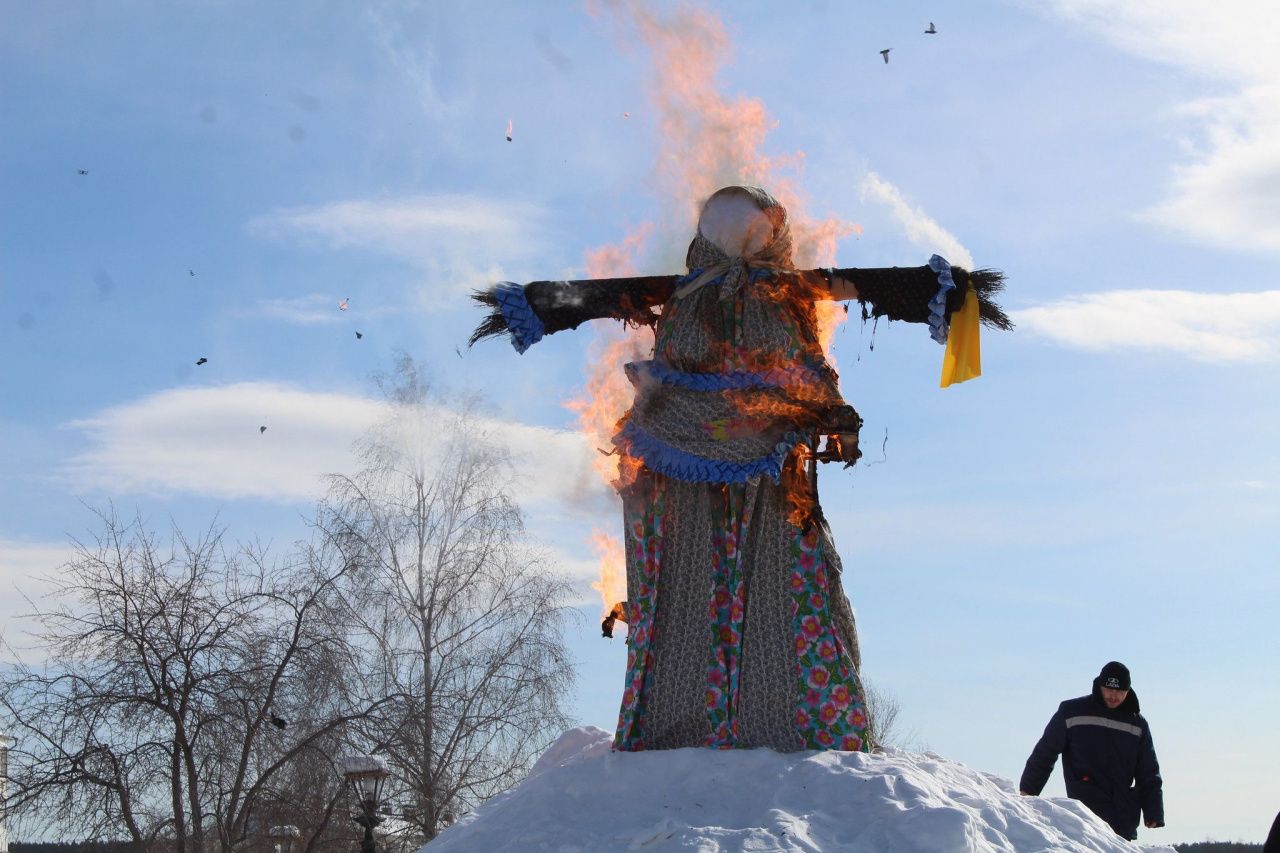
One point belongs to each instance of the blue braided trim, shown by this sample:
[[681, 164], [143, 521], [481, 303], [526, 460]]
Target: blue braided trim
[[525, 326], [734, 380], [679, 464], [938, 304]]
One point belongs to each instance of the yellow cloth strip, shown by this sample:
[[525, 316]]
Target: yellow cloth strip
[[963, 359]]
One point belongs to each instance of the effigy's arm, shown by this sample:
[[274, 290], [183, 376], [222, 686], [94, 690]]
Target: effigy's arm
[[527, 312], [930, 294], [906, 293]]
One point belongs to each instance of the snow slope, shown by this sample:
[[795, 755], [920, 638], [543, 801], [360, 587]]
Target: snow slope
[[581, 797]]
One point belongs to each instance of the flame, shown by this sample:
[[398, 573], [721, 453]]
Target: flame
[[607, 396], [619, 259], [612, 584], [708, 140]]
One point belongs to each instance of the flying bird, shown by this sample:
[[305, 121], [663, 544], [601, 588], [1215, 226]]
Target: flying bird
[[192, 273], [261, 430], [82, 171], [359, 336], [277, 722], [885, 54], [932, 29], [509, 130], [202, 360], [344, 304]]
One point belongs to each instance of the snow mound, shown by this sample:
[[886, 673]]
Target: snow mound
[[582, 797]]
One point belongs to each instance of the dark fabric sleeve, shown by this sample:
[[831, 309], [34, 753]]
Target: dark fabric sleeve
[[1045, 754], [1272, 844], [903, 293], [561, 305], [1150, 785]]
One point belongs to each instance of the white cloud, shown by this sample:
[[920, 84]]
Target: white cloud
[[24, 571], [206, 441], [1226, 194], [458, 242], [919, 227], [422, 229], [1211, 327], [1229, 196], [1230, 39], [553, 466]]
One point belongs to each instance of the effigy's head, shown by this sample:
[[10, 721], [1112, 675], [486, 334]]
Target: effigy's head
[[741, 222]]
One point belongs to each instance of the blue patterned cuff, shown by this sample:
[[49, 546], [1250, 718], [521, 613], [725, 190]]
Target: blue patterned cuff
[[679, 464], [733, 380], [525, 327], [938, 304]]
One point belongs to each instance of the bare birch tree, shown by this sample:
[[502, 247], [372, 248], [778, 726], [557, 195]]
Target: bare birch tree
[[180, 683], [884, 723], [460, 621]]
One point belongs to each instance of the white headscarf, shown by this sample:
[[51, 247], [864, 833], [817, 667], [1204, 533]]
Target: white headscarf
[[740, 228]]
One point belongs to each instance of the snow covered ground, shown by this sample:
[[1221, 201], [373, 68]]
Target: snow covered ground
[[581, 797]]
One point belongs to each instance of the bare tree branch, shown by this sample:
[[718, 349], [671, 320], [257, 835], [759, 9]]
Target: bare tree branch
[[457, 617]]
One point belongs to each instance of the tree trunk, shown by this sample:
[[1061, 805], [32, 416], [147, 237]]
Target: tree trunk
[[175, 785], [193, 796]]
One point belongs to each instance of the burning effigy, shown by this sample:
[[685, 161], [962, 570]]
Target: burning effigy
[[739, 631]]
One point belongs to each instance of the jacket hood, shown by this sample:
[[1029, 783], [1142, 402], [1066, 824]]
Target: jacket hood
[[1130, 703]]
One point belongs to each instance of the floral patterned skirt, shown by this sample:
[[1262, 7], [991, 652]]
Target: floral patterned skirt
[[739, 633]]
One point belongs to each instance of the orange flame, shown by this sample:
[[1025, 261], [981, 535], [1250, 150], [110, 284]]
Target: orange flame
[[607, 396], [612, 584], [711, 141], [619, 259], [708, 141], [608, 393]]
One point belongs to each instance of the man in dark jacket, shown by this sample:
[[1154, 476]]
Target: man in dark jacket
[[1106, 746]]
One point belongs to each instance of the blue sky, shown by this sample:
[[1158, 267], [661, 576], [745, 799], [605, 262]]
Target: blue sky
[[1110, 488]]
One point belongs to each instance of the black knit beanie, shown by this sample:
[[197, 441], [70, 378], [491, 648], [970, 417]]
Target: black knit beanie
[[1114, 675]]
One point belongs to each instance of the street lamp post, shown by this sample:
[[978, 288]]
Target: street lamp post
[[366, 774], [283, 837]]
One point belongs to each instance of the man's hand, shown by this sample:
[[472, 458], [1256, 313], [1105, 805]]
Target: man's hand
[[1154, 824], [1025, 794]]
